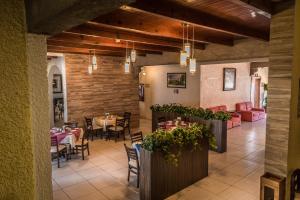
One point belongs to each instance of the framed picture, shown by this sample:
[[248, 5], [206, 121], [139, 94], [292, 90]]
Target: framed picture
[[57, 83], [229, 79], [141, 92], [176, 80]]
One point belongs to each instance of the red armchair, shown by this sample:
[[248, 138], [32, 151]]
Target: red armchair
[[235, 120], [249, 113]]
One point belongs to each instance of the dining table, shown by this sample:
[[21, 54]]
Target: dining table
[[106, 121], [67, 136]]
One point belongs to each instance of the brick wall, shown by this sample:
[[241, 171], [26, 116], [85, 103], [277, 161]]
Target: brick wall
[[108, 89]]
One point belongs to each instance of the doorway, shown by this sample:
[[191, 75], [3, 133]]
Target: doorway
[[256, 95]]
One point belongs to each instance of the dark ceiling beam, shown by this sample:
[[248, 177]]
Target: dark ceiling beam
[[105, 43], [146, 24], [55, 49], [54, 16], [114, 33], [94, 47], [262, 7], [173, 10]]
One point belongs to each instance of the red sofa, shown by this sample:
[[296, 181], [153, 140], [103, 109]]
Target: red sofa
[[235, 120], [249, 113]]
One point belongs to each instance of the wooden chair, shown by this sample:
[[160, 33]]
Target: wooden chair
[[133, 163], [91, 129], [57, 149], [136, 137], [82, 144], [118, 129], [127, 116]]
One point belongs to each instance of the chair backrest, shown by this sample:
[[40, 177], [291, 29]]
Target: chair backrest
[[71, 124], [127, 116], [120, 122], [136, 137], [88, 123], [54, 142], [84, 136], [132, 155]]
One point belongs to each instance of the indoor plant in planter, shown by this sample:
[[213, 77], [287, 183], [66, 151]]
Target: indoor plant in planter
[[173, 160]]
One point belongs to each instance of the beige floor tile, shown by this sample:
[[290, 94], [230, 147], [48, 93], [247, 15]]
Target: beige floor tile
[[93, 196], [60, 195], [55, 186], [236, 194], [226, 177], [248, 186], [69, 180], [102, 181], [79, 190], [212, 185], [91, 172], [119, 192]]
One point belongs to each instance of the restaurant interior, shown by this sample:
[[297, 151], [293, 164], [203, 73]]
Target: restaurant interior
[[150, 100]]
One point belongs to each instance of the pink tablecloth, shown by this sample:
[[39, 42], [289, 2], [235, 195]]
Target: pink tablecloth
[[62, 135]]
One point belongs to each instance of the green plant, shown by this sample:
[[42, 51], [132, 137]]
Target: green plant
[[171, 143], [191, 112]]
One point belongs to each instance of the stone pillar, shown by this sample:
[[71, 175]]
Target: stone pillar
[[24, 145], [283, 136]]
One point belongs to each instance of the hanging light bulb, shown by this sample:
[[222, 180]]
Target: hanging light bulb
[[183, 53], [143, 71], [187, 45], [183, 58], [133, 54], [90, 66], [94, 61], [127, 61], [192, 60]]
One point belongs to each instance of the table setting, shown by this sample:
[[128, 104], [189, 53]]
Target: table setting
[[66, 135]]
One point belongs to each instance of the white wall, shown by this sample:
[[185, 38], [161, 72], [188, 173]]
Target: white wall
[[56, 66], [211, 85], [156, 91]]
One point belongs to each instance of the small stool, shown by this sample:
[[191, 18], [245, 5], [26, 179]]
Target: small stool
[[272, 187]]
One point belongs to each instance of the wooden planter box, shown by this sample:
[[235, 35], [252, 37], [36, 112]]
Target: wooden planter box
[[160, 179], [217, 127]]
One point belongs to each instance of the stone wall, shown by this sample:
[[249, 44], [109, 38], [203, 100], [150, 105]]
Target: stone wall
[[108, 89]]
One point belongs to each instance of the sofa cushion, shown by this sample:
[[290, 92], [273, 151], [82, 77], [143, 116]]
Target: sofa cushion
[[241, 107], [248, 106]]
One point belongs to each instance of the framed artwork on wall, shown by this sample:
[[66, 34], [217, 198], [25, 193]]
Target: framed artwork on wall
[[229, 79], [176, 80], [57, 83], [141, 92], [58, 109]]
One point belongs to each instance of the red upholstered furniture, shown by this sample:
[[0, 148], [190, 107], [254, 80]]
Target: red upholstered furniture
[[249, 113], [235, 120]]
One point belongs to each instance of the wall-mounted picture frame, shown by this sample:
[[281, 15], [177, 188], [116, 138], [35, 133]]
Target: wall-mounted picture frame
[[176, 80], [229, 79], [57, 83], [58, 109], [141, 92]]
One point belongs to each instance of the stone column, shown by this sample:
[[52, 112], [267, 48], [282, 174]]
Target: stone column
[[283, 135], [24, 145]]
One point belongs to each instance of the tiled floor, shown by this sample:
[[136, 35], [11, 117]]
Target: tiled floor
[[233, 175]]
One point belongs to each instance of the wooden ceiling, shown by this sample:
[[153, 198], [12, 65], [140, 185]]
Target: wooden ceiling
[[156, 26]]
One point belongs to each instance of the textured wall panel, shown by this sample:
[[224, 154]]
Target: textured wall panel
[[108, 89], [279, 94]]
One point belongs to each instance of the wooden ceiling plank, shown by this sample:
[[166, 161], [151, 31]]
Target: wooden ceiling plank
[[106, 31], [173, 11], [92, 47], [109, 42]]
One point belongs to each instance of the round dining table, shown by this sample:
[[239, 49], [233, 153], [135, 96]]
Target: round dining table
[[104, 121]]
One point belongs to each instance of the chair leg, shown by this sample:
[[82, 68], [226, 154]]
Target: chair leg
[[138, 180], [82, 153], [58, 164], [128, 175], [88, 149]]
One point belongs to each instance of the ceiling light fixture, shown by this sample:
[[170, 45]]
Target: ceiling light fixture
[[133, 54], [90, 66], [183, 53], [127, 61], [94, 61], [187, 45], [192, 60]]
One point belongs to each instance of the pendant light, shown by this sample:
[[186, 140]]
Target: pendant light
[[143, 71], [133, 54], [192, 60], [187, 45], [90, 67], [94, 61], [127, 61], [183, 53]]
